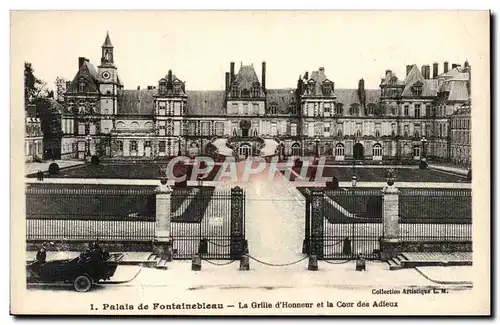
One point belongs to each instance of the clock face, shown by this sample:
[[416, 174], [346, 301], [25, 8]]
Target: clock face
[[106, 75]]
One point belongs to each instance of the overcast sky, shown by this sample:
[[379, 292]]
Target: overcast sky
[[198, 46]]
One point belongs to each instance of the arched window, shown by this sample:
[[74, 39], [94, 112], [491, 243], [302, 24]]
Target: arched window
[[148, 125], [273, 108], [377, 152], [339, 151], [354, 109], [134, 125], [81, 86], [296, 149], [339, 108], [370, 109], [234, 91], [120, 125]]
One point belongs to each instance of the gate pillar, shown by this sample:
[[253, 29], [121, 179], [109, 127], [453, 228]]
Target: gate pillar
[[162, 243], [317, 222], [390, 219], [237, 223]]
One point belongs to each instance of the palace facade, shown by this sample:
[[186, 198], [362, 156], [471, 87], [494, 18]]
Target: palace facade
[[405, 119]]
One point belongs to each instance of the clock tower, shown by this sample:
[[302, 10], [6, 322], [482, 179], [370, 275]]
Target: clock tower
[[109, 83]]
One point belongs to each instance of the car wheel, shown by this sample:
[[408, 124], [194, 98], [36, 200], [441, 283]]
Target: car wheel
[[82, 283]]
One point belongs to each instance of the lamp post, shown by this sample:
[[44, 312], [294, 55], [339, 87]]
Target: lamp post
[[317, 146], [179, 146], [423, 141], [88, 138]]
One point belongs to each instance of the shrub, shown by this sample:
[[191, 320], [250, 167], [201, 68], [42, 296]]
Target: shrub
[[422, 164], [94, 160], [53, 169]]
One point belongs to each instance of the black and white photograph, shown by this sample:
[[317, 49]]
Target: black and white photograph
[[250, 162]]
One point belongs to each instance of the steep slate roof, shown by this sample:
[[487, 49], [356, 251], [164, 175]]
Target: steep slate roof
[[319, 77], [350, 96], [246, 77], [136, 102], [89, 73], [429, 86], [458, 90], [209, 102], [391, 79], [283, 97]]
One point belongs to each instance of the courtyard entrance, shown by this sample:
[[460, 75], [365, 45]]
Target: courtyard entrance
[[244, 151]]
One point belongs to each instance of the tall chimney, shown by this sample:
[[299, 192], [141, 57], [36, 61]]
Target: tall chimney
[[138, 87], [232, 71], [227, 81], [408, 68], [435, 71], [169, 81], [81, 60], [453, 65], [306, 75], [264, 76], [388, 72], [426, 69], [445, 66]]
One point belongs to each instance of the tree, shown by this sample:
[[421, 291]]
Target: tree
[[33, 87]]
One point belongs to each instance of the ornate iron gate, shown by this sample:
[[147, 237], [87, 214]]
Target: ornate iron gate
[[340, 224], [208, 222]]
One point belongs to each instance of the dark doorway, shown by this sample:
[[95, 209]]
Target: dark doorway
[[359, 151], [244, 132]]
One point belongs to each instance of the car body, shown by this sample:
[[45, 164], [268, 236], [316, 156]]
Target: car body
[[82, 271]]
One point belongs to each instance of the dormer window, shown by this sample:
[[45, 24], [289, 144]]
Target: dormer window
[[245, 93], [234, 91], [273, 108], [326, 88], [292, 108], [310, 87], [81, 86], [354, 109], [162, 87], [417, 89], [177, 87], [255, 89]]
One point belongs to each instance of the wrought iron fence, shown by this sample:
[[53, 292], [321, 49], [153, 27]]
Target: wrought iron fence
[[435, 214], [86, 212]]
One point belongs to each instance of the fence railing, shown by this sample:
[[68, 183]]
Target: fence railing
[[86, 213], [435, 214]]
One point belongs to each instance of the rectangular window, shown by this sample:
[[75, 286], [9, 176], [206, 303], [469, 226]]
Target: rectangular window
[[327, 107], [293, 129], [81, 146], [255, 108], [133, 145], [273, 128], [427, 110], [318, 129], [245, 108], [191, 128], [326, 128], [219, 128], [205, 128], [92, 129], [234, 108], [417, 110], [161, 146], [81, 129], [407, 110]]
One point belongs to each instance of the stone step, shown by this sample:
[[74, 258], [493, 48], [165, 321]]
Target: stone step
[[162, 264], [394, 264]]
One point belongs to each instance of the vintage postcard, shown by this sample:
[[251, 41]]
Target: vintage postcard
[[250, 163]]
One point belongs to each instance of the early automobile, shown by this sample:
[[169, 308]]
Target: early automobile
[[82, 272]]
